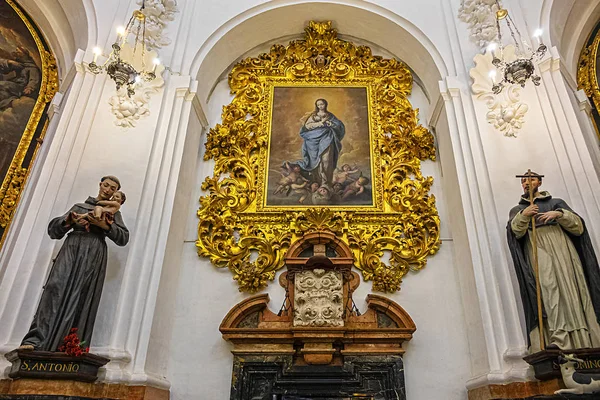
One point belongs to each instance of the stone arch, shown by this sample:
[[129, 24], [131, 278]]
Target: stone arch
[[567, 25], [320, 237], [277, 19], [66, 29]]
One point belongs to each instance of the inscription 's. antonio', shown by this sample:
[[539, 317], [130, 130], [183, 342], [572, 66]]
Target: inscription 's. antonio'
[[46, 366]]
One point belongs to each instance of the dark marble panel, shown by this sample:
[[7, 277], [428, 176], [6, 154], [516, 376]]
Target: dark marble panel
[[360, 377]]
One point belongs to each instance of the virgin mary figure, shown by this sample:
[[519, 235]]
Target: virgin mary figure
[[322, 133]]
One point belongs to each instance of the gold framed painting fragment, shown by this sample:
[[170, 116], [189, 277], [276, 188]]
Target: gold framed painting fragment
[[588, 74], [320, 136], [28, 81]]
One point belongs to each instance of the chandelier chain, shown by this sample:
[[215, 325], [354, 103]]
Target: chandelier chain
[[121, 71], [522, 69]]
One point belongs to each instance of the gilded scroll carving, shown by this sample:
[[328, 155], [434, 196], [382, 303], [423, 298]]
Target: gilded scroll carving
[[23, 112], [239, 231]]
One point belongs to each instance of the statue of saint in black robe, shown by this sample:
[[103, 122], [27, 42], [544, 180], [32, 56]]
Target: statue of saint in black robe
[[72, 293], [569, 274]]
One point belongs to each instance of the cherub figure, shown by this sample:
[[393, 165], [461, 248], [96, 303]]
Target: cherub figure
[[342, 175], [302, 189], [338, 189], [321, 196], [290, 175], [305, 190], [355, 188]]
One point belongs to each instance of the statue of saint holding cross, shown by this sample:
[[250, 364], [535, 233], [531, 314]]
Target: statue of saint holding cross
[[556, 268]]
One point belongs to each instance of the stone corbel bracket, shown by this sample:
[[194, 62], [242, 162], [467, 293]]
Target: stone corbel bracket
[[506, 112], [480, 15]]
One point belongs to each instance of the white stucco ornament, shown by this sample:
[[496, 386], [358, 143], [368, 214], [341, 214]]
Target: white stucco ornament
[[506, 112], [481, 17], [129, 109], [158, 14], [318, 298]]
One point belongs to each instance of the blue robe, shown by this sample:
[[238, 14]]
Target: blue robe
[[318, 140]]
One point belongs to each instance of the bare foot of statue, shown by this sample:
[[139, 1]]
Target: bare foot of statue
[[26, 347]]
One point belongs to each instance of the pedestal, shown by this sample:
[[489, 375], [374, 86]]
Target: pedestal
[[54, 365], [46, 389], [546, 366]]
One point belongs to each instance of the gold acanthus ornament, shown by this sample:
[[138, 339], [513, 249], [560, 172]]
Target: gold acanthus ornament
[[239, 232], [13, 183], [587, 73]]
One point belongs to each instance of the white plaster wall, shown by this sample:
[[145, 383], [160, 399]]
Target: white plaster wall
[[462, 258], [163, 338]]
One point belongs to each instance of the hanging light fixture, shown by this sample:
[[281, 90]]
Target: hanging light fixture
[[521, 69], [121, 71]]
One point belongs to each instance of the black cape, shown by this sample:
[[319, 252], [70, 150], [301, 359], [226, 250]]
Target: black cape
[[524, 271], [72, 292]]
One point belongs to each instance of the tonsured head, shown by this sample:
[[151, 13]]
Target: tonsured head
[[108, 186], [536, 182]]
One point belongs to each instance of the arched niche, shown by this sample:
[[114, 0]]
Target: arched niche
[[276, 22], [332, 247], [66, 27], [569, 23]]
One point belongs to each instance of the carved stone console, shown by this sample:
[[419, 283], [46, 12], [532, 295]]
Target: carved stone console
[[318, 344]]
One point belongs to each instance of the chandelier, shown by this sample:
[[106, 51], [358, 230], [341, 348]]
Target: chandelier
[[521, 69], [119, 70]]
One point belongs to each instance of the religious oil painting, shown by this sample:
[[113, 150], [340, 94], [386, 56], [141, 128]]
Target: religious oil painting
[[27, 83], [319, 150]]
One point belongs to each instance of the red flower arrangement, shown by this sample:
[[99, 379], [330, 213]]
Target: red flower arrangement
[[72, 346]]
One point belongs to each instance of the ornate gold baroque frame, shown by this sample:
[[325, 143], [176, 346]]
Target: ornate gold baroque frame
[[14, 181], [587, 74], [238, 231]]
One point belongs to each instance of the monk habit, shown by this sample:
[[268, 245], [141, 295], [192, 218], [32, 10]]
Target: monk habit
[[72, 293], [569, 275]]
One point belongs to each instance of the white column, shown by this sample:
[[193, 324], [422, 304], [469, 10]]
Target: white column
[[585, 118], [504, 340], [137, 299], [568, 142]]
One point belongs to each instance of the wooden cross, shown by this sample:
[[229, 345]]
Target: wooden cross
[[530, 175]]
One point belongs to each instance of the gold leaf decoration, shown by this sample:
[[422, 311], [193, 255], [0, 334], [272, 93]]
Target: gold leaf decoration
[[587, 73], [10, 194], [13, 183], [238, 231]]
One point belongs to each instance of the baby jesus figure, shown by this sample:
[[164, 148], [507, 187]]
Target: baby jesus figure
[[107, 208], [104, 211]]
